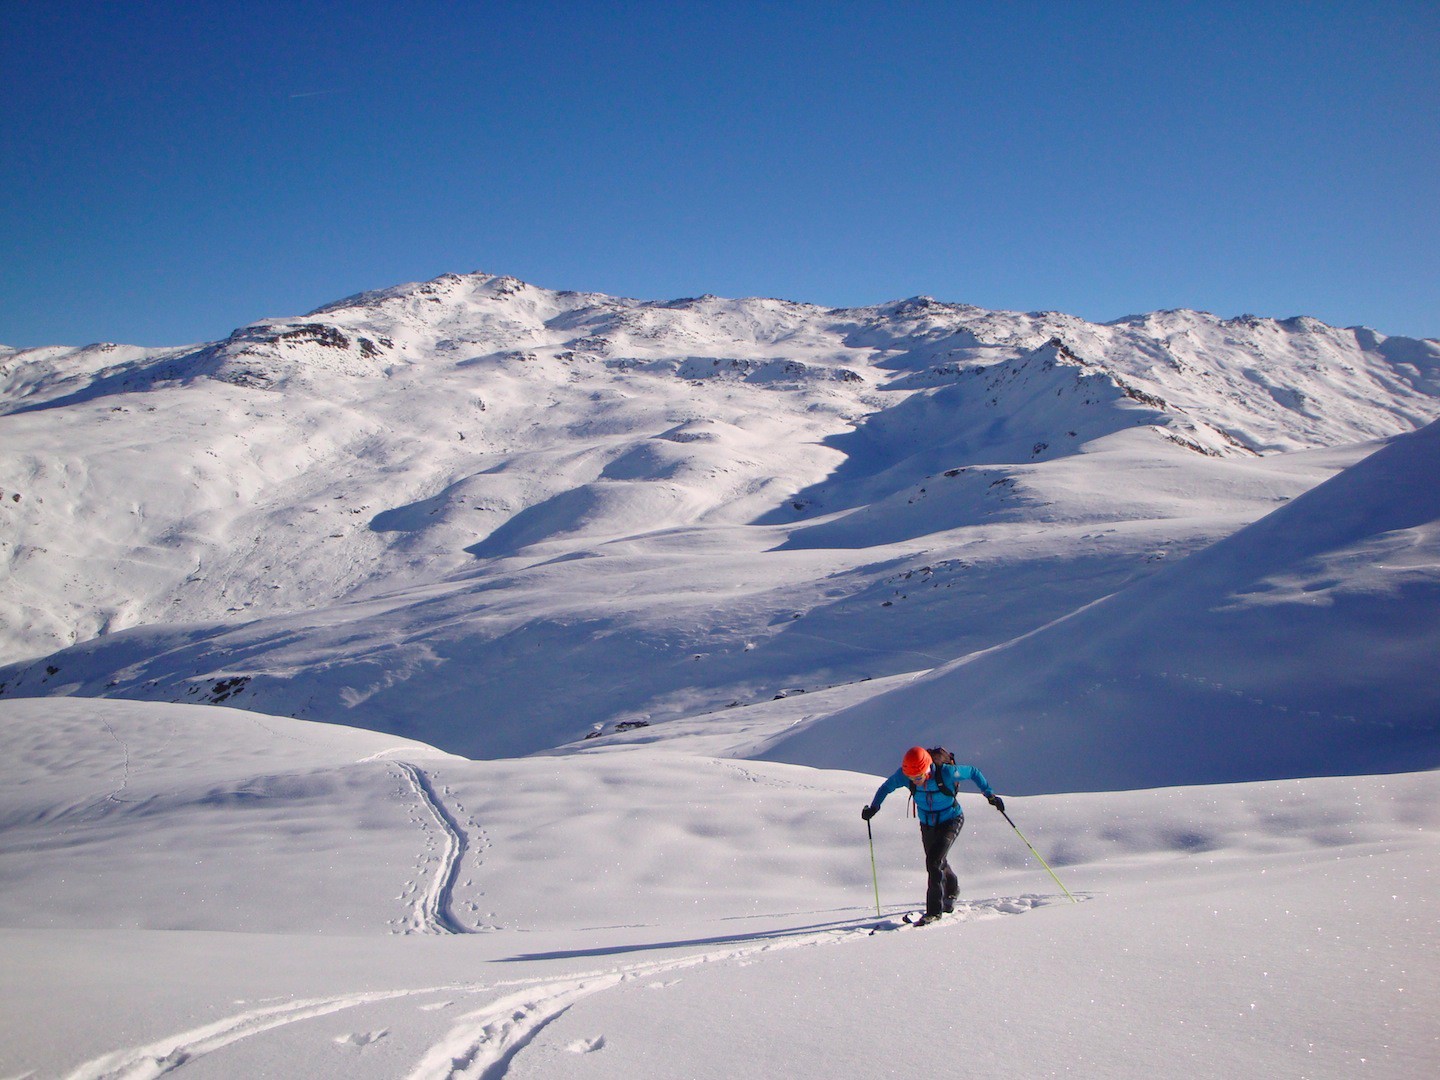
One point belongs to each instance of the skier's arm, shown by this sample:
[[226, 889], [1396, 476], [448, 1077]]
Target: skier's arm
[[896, 780], [969, 772], [984, 785]]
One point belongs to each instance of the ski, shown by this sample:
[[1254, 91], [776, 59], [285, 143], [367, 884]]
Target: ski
[[908, 919], [917, 918]]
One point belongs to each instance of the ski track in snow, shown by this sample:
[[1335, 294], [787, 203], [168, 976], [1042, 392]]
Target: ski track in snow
[[170, 1053], [114, 796], [481, 1044], [431, 911], [856, 646]]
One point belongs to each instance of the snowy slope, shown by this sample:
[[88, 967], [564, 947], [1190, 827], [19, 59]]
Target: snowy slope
[[491, 516], [204, 891], [1304, 643], [475, 517]]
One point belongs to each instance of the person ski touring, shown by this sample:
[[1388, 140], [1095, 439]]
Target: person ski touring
[[933, 777]]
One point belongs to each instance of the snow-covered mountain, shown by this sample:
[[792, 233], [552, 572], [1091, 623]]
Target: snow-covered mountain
[[766, 546], [492, 516]]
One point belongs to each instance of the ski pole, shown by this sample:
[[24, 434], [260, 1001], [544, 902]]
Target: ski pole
[[1037, 855], [874, 876]]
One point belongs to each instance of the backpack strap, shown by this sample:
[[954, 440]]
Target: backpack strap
[[948, 792], [940, 783]]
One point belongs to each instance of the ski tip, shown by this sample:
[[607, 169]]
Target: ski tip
[[909, 918], [889, 922], [918, 918]]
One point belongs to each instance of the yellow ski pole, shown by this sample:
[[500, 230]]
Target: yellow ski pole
[[1037, 855], [874, 876]]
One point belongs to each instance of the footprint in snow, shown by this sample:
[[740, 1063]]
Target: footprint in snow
[[361, 1038], [587, 1046]]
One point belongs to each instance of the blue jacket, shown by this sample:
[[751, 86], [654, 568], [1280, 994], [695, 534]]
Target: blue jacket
[[933, 805]]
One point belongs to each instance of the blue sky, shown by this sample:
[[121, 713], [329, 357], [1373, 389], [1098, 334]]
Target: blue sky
[[169, 171]]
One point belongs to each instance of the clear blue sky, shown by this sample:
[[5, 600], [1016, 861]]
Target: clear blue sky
[[169, 171]]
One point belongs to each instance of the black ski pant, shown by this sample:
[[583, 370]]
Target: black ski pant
[[943, 885]]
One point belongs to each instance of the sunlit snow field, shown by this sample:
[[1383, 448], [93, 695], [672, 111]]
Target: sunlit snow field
[[302, 635], [242, 895]]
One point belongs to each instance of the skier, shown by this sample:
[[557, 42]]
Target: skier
[[933, 780]]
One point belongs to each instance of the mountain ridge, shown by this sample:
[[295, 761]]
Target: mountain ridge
[[562, 509]]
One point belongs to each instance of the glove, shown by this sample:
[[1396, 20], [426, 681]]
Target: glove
[[867, 813], [997, 802]]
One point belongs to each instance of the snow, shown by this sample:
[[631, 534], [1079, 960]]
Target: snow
[[210, 891], [1303, 643], [404, 511], [303, 633]]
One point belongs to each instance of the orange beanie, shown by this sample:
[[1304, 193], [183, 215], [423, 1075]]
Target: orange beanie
[[917, 761]]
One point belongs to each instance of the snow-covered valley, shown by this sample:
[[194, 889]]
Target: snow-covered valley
[[303, 632]]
